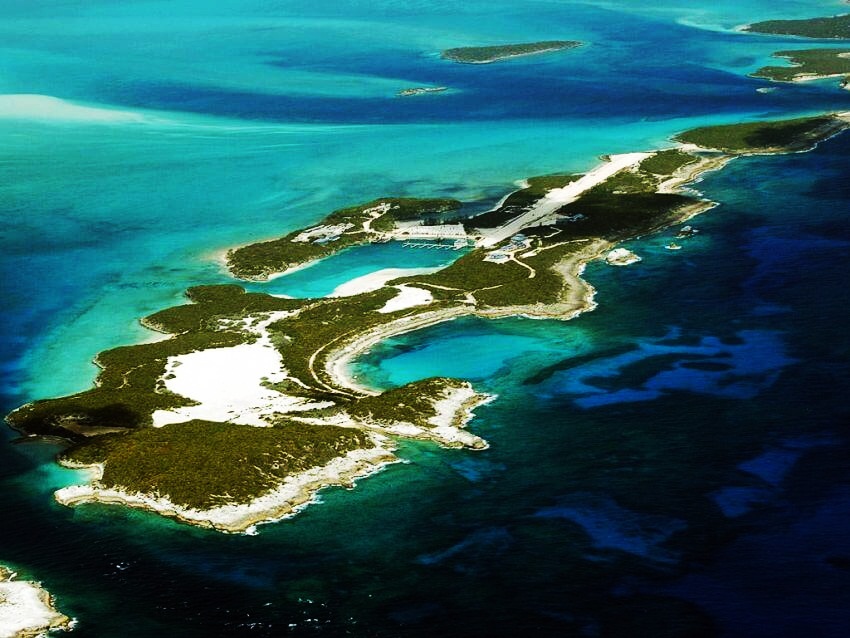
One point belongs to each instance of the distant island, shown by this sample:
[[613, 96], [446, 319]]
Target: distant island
[[248, 408], [809, 64], [488, 54], [422, 90], [835, 27]]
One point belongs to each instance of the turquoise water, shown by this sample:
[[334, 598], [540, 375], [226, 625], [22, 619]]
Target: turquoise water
[[324, 277], [670, 464]]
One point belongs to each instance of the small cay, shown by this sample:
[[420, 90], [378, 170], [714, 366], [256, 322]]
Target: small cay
[[488, 54]]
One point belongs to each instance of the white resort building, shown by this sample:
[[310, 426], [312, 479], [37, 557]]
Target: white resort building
[[322, 233], [440, 231]]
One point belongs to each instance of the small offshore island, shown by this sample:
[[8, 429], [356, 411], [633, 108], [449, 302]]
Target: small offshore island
[[247, 409], [422, 90], [489, 54], [809, 64], [830, 28], [27, 610]]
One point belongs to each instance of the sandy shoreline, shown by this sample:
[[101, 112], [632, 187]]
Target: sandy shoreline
[[376, 280], [580, 294], [579, 299], [231, 384], [27, 609], [338, 360], [292, 495], [511, 56], [447, 427], [690, 174]]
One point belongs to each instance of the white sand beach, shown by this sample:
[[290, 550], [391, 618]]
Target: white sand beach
[[26, 609], [338, 361], [376, 280], [227, 383], [407, 297]]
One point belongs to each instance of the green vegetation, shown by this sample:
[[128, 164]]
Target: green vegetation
[[129, 387], [128, 390], [483, 55], [502, 285], [409, 209], [765, 137], [665, 163], [411, 403], [211, 304], [258, 261], [808, 63], [468, 274], [626, 205], [303, 340], [202, 464], [542, 184], [520, 201], [546, 287], [835, 27]]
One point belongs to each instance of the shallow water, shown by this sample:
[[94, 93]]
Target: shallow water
[[645, 475]]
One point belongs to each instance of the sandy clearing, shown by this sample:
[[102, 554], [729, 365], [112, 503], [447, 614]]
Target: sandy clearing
[[408, 297], [227, 383], [376, 280]]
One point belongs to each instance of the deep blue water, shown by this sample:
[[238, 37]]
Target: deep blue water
[[671, 464]]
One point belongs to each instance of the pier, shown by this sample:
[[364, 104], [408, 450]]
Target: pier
[[429, 245]]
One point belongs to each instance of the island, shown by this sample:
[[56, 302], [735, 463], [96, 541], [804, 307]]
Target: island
[[26, 609], [809, 64], [489, 54], [248, 408], [422, 90], [830, 28]]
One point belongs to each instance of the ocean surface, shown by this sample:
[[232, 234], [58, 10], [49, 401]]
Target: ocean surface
[[671, 464]]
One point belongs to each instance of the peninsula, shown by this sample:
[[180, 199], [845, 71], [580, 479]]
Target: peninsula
[[830, 28], [488, 54], [27, 610], [248, 408], [341, 229]]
